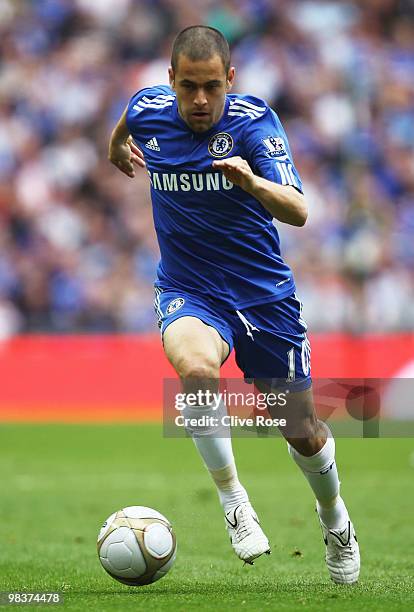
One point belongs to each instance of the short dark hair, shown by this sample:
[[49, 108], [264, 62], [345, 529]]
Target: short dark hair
[[200, 42]]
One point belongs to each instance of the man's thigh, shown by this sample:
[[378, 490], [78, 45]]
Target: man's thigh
[[192, 331], [189, 339]]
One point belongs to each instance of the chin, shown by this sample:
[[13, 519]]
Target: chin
[[199, 126]]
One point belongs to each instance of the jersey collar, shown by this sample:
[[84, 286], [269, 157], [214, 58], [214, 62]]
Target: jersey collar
[[214, 128]]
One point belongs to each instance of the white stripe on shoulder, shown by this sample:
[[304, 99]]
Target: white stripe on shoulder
[[165, 96], [151, 103], [158, 99], [241, 114], [248, 105], [253, 113], [142, 105]]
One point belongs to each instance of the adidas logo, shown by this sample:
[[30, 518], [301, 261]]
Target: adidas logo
[[153, 145]]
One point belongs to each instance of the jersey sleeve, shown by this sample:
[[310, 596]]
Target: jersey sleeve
[[147, 98], [268, 151]]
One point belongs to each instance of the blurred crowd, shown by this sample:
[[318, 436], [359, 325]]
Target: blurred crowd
[[78, 250]]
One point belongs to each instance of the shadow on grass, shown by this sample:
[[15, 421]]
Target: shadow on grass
[[218, 590]]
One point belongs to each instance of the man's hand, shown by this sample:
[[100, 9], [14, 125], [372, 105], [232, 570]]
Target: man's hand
[[284, 202], [124, 155], [238, 171]]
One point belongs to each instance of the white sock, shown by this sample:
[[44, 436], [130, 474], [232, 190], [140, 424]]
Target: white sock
[[231, 492], [321, 472], [214, 445]]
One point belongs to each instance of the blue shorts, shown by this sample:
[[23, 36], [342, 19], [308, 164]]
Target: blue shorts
[[269, 340]]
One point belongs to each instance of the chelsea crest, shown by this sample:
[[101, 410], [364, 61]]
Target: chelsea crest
[[220, 144]]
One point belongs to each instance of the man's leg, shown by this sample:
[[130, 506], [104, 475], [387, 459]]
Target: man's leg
[[275, 352], [312, 446], [196, 351]]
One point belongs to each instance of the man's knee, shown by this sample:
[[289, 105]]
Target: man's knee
[[198, 372], [197, 369]]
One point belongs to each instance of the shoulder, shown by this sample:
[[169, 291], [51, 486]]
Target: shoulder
[[249, 108], [156, 98]]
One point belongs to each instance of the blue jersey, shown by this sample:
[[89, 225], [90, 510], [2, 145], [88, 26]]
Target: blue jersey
[[216, 240]]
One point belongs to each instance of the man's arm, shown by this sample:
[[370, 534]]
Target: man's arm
[[123, 153], [284, 202]]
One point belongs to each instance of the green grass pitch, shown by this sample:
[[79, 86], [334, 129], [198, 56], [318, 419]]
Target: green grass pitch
[[59, 482]]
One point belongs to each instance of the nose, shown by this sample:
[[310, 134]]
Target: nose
[[201, 98]]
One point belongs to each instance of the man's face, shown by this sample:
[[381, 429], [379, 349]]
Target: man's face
[[201, 89]]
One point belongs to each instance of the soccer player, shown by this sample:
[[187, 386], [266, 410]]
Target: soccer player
[[221, 170]]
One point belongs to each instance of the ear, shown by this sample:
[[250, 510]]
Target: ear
[[171, 77], [230, 78]]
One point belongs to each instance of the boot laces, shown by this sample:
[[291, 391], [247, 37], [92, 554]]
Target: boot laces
[[244, 526]]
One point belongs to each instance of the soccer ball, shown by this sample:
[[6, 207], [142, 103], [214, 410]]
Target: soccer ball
[[137, 545]]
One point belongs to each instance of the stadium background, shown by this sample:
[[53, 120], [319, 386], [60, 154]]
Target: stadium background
[[78, 340], [78, 250]]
